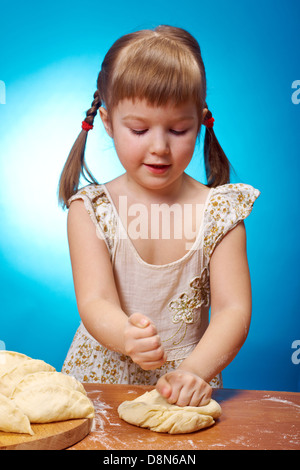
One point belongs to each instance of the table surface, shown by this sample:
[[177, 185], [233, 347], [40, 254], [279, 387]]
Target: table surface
[[251, 419]]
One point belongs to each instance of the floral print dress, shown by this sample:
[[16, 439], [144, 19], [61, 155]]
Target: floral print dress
[[175, 296]]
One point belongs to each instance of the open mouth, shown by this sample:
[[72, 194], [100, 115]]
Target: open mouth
[[157, 169]]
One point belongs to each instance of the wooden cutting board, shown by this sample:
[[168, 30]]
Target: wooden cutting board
[[51, 436]]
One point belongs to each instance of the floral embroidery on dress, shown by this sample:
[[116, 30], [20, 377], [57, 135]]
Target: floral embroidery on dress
[[105, 217], [228, 205], [186, 307], [99, 209], [90, 362]]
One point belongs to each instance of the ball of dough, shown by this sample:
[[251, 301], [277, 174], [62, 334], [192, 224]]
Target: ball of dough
[[152, 411]]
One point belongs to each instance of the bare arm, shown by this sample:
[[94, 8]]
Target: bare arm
[[230, 307], [230, 316], [97, 297]]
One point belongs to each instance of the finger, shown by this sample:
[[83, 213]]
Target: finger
[[173, 387], [149, 355], [163, 387], [151, 365], [201, 397], [150, 361], [195, 398], [205, 399], [146, 339], [139, 320], [185, 397], [174, 397]]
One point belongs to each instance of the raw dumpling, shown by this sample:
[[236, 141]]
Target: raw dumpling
[[153, 411], [47, 403], [12, 376], [12, 419], [51, 378], [11, 359]]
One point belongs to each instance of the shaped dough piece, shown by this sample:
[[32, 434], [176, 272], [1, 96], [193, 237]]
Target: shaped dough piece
[[152, 411], [11, 359], [12, 419], [12, 376], [51, 378], [47, 403]]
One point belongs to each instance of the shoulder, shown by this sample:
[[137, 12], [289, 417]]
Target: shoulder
[[235, 200], [228, 205], [97, 205], [91, 192], [239, 192]]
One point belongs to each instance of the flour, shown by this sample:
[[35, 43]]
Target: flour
[[102, 417], [279, 400]]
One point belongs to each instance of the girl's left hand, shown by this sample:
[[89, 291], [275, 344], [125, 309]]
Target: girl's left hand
[[184, 388]]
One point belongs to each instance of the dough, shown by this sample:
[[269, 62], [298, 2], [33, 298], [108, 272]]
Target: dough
[[12, 419], [153, 411], [31, 391], [52, 378], [12, 374], [10, 359], [45, 403]]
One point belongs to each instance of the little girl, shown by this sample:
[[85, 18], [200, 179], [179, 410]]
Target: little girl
[[144, 285]]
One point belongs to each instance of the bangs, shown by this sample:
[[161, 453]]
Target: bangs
[[158, 70]]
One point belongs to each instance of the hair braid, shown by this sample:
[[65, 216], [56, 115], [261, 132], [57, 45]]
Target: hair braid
[[92, 112], [75, 165], [217, 166]]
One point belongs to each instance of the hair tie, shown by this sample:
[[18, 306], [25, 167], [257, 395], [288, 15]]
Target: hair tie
[[86, 126], [209, 122]]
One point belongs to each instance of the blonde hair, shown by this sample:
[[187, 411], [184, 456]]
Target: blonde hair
[[161, 66]]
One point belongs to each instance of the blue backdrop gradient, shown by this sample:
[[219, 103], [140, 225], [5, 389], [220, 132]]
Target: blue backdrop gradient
[[50, 55]]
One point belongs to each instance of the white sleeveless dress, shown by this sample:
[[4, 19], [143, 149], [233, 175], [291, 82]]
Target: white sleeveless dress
[[175, 296]]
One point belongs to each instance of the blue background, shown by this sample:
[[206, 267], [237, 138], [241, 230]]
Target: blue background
[[50, 55]]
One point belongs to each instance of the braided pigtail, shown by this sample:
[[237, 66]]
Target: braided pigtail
[[217, 166], [75, 166]]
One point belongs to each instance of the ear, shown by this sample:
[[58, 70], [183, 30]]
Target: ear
[[204, 113], [106, 121]]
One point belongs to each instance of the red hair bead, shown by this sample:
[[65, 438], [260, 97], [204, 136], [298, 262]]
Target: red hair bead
[[86, 126], [209, 122]]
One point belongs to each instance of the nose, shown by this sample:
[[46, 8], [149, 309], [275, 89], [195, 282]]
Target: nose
[[159, 143]]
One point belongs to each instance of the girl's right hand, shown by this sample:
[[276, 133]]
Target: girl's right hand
[[142, 343]]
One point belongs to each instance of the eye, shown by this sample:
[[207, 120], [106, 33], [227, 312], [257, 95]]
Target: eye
[[138, 132], [178, 132]]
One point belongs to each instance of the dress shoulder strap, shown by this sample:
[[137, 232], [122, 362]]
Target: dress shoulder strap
[[101, 212], [228, 205]]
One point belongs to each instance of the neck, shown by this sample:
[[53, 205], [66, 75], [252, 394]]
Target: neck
[[168, 194]]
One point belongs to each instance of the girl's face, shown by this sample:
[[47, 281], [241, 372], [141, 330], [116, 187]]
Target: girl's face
[[154, 144]]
